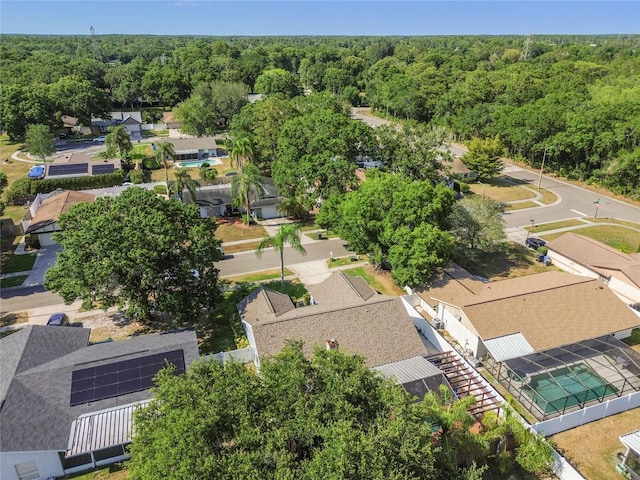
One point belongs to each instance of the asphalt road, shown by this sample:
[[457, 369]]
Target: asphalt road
[[247, 262], [25, 298]]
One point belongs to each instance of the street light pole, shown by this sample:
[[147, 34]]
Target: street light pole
[[532, 226], [542, 167]]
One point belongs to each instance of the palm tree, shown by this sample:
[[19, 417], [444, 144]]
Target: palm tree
[[183, 180], [248, 183], [293, 207], [241, 153], [118, 139], [208, 174], [165, 151], [287, 233]]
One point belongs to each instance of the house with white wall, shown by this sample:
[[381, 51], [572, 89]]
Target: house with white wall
[[585, 256], [66, 405]]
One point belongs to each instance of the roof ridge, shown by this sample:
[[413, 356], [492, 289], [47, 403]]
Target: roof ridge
[[353, 288], [580, 281], [382, 299]]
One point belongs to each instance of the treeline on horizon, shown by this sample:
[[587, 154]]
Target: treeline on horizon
[[577, 97]]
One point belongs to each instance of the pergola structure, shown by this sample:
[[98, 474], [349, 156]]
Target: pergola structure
[[564, 379]]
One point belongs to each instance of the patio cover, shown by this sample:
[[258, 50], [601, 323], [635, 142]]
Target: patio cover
[[632, 441], [508, 347]]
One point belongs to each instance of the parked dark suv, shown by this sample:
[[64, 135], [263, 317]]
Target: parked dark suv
[[58, 320], [535, 243]]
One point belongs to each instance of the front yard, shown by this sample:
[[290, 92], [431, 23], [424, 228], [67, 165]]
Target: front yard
[[233, 229]]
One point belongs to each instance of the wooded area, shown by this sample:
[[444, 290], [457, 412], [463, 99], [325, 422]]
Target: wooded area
[[575, 97]]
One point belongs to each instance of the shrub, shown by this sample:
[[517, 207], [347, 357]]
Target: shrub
[[136, 176], [77, 183], [542, 250], [18, 191], [150, 163]]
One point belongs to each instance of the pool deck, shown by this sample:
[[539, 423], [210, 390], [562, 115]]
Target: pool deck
[[212, 161]]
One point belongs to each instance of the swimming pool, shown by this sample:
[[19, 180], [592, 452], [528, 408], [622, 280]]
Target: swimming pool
[[565, 387], [198, 163]]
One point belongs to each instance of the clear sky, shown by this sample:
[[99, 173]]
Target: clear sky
[[301, 17]]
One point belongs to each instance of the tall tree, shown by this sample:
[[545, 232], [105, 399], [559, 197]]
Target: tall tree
[[140, 251], [165, 151], [118, 139], [244, 185], [477, 224], [288, 233], [241, 152], [3, 184], [328, 416], [485, 157], [39, 141]]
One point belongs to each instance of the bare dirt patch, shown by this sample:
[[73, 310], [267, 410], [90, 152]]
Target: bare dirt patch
[[109, 326]]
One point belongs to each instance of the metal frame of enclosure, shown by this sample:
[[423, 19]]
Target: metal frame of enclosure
[[617, 364]]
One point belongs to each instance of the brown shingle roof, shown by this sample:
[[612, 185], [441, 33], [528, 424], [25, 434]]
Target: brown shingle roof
[[379, 329], [341, 289], [264, 304], [597, 256], [51, 208], [549, 309], [554, 317]]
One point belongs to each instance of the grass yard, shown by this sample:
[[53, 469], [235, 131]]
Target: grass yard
[[634, 340], [116, 471], [520, 206], [234, 229], [501, 190], [293, 288], [592, 448], [379, 280], [13, 281], [512, 260], [553, 225], [241, 247], [342, 261], [619, 237], [259, 276], [614, 220], [19, 263]]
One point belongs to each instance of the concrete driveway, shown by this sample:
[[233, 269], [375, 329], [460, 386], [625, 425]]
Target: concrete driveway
[[47, 258]]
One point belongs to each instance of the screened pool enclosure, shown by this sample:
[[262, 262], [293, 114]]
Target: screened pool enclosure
[[564, 379]]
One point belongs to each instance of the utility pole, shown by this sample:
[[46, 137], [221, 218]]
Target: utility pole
[[542, 167], [94, 45], [526, 49]]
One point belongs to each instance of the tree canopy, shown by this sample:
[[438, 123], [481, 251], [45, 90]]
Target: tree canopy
[[485, 157], [397, 221], [140, 251], [39, 141], [477, 224]]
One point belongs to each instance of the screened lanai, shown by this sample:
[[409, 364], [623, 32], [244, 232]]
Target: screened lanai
[[565, 379]]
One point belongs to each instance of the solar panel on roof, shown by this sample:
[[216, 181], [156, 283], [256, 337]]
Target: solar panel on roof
[[68, 169], [102, 169], [119, 378]]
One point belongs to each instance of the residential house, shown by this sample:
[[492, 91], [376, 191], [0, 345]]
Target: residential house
[[131, 120], [171, 121], [197, 148], [458, 169], [345, 313], [216, 200], [631, 460], [66, 405], [585, 256], [550, 329], [46, 210]]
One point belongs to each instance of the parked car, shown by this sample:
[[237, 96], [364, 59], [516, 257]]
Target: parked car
[[37, 172], [535, 243], [100, 139], [58, 320]]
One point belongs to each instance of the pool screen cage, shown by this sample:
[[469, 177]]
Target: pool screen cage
[[565, 379]]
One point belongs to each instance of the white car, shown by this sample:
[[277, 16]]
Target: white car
[[100, 139]]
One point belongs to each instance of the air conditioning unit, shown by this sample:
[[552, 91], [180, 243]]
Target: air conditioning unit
[[438, 323]]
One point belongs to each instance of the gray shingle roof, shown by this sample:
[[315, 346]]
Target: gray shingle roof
[[341, 289], [36, 414], [379, 329], [197, 143], [264, 304]]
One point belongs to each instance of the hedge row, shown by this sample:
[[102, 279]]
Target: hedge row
[[22, 188]]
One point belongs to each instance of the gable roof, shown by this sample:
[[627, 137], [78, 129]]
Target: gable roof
[[36, 412], [380, 330], [549, 309], [195, 143], [52, 207], [341, 289], [264, 304], [597, 256]]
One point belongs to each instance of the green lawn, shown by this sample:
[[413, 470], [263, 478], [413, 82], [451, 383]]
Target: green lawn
[[621, 238], [19, 263], [378, 281], [339, 262], [521, 206], [232, 230], [294, 288], [13, 281], [554, 225], [259, 276], [501, 190]]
